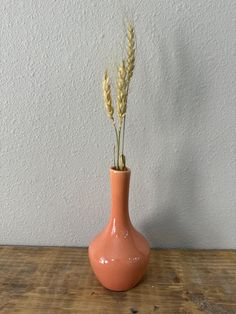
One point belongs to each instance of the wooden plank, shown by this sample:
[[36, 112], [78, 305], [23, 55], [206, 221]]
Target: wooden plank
[[59, 280]]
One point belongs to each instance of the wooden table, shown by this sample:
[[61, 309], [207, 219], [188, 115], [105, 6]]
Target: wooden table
[[59, 280]]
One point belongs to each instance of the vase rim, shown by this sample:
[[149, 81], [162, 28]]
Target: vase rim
[[120, 171]]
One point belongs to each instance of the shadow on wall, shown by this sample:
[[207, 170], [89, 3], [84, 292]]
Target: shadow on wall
[[181, 222], [173, 225]]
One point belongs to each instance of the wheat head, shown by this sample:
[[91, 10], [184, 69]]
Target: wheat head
[[121, 91], [107, 95], [130, 52]]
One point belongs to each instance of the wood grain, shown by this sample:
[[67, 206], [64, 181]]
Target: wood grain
[[59, 280]]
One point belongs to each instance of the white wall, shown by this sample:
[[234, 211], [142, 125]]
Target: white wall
[[56, 142]]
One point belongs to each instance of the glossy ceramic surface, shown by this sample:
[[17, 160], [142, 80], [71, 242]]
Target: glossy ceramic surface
[[119, 254]]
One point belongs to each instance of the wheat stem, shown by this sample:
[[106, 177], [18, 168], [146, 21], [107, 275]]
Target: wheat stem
[[114, 157], [117, 144]]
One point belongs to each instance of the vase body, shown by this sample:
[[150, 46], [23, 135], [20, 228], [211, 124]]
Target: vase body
[[119, 254]]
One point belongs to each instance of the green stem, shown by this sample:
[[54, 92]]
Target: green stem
[[117, 143], [123, 133], [114, 158], [118, 150], [123, 137]]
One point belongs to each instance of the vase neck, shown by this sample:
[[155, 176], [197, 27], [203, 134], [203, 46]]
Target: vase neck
[[120, 196]]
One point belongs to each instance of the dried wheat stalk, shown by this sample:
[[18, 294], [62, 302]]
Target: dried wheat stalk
[[129, 70], [124, 75], [109, 108]]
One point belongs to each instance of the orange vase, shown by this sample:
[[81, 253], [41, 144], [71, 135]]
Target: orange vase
[[119, 254]]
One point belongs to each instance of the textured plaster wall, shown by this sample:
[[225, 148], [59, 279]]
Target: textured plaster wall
[[56, 142]]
